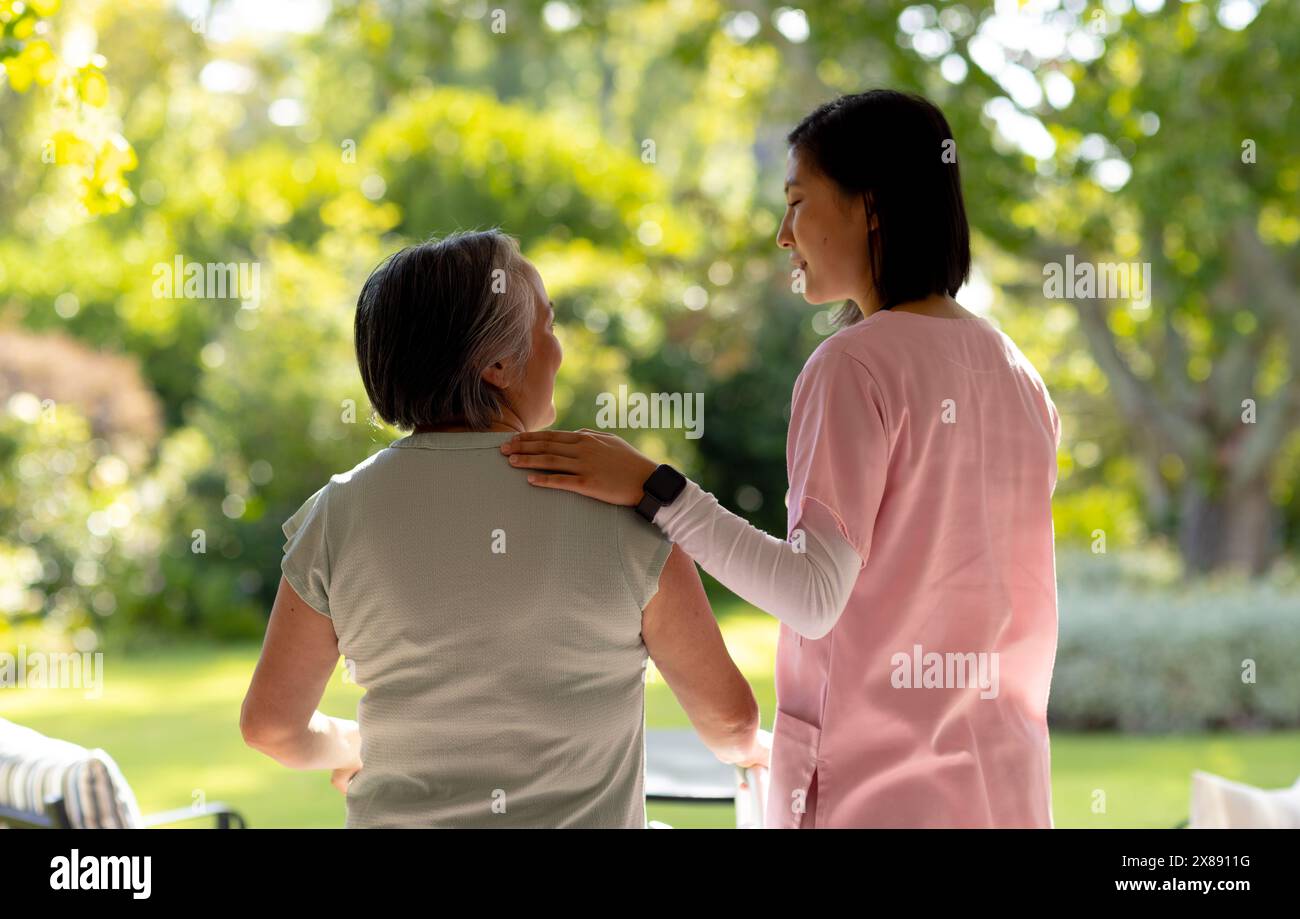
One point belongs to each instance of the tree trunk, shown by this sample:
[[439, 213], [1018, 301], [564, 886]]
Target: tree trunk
[[1238, 529]]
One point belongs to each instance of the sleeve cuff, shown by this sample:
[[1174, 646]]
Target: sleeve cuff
[[668, 513]]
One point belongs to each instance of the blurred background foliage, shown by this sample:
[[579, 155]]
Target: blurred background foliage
[[151, 446]]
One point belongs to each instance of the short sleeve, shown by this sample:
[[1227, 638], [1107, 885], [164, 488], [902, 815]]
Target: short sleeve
[[643, 550], [306, 564], [837, 451]]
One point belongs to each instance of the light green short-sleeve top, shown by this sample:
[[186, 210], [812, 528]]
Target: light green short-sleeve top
[[496, 629]]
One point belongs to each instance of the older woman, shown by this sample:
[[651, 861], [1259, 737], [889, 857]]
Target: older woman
[[500, 631]]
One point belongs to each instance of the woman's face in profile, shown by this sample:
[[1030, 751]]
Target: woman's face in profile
[[826, 234], [533, 395]]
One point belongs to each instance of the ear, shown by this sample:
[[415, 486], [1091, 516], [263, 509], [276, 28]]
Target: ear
[[499, 374]]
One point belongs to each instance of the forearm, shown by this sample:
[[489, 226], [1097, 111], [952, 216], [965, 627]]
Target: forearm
[[806, 590], [325, 743], [732, 741]]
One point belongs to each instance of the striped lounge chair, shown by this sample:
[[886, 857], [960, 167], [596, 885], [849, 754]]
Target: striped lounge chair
[[54, 784]]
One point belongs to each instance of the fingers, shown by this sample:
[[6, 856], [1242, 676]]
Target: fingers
[[563, 437], [558, 448], [544, 461], [561, 482]]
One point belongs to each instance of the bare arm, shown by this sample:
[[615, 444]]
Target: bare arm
[[683, 639], [279, 716]]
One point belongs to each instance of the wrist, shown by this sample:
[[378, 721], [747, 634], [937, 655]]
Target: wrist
[[644, 469], [350, 733], [661, 488]]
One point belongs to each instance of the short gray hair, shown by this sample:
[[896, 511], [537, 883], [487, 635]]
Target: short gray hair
[[432, 318]]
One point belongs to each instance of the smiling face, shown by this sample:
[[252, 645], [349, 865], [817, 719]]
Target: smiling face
[[826, 233], [532, 394]]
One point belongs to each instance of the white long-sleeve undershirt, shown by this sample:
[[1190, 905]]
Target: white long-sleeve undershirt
[[806, 590]]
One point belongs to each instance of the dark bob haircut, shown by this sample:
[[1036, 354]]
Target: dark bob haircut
[[896, 152], [432, 318]]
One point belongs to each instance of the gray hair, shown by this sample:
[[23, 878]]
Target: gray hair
[[433, 317]]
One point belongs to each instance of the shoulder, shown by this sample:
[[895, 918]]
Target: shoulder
[[853, 352], [641, 549], [636, 536], [839, 381], [341, 491], [869, 343], [374, 468], [1019, 362]]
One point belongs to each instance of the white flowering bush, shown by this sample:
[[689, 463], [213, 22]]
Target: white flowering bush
[[1142, 651]]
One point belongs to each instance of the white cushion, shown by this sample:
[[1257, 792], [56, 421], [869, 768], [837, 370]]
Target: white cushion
[[1219, 803]]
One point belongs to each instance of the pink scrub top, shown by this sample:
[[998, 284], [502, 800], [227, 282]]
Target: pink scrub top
[[933, 441]]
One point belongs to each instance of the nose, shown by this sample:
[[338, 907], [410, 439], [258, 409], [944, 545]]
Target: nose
[[784, 238]]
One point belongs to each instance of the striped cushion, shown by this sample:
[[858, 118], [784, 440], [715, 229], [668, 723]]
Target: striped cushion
[[33, 767]]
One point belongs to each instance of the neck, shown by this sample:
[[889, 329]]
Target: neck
[[507, 422], [868, 303], [935, 304]]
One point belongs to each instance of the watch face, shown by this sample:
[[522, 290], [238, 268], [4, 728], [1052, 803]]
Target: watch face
[[665, 483]]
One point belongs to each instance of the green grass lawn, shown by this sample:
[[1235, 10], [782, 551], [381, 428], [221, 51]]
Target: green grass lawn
[[171, 720]]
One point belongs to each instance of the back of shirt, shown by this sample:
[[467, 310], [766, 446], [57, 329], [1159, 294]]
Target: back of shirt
[[496, 629], [934, 442]]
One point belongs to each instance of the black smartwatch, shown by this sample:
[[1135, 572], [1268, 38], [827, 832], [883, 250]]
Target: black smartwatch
[[663, 487]]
